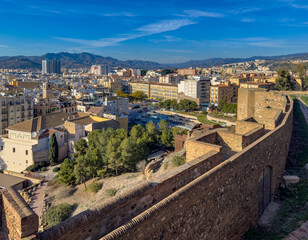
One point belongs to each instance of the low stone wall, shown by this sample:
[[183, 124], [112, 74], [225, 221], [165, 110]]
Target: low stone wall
[[95, 223], [195, 148], [220, 120], [220, 204], [19, 221], [242, 127]]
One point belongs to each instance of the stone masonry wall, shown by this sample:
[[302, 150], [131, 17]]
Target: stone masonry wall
[[196, 148], [242, 127], [19, 220], [95, 223], [220, 204]]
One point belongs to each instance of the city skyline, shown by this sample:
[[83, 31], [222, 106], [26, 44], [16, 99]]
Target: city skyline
[[173, 31]]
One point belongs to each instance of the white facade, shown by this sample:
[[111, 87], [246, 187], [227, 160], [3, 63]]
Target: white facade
[[100, 69], [196, 87]]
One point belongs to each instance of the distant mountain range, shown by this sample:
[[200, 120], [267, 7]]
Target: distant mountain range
[[81, 60]]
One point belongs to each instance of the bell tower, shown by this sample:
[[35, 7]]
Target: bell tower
[[47, 90]]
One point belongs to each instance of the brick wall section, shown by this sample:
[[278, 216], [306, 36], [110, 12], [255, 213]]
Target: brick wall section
[[19, 221], [95, 223], [220, 204]]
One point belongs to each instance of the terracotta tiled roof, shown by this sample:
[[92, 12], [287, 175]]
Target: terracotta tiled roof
[[95, 110], [44, 122]]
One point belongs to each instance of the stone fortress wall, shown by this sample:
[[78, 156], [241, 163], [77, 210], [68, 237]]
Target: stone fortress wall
[[228, 180]]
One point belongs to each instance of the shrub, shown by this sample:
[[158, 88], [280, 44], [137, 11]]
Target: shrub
[[57, 214], [178, 160], [95, 187], [40, 166], [111, 192], [66, 192], [56, 169]]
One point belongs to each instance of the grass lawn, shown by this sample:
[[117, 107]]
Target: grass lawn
[[200, 116], [305, 99]]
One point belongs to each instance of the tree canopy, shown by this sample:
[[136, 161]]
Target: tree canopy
[[112, 152], [53, 150], [284, 81]]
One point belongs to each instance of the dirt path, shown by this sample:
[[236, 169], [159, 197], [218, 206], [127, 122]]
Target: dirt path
[[38, 198]]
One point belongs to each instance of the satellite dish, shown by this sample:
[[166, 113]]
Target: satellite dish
[[34, 134]]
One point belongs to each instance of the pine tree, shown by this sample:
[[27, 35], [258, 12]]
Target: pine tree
[[53, 150], [66, 174]]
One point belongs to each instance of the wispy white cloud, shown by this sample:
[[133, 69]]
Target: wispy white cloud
[[119, 14], [298, 6], [3, 46], [146, 30], [248, 20], [198, 13], [165, 26], [177, 51], [262, 42]]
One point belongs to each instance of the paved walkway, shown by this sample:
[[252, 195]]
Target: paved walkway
[[304, 109], [38, 199], [299, 234], [302, 232]]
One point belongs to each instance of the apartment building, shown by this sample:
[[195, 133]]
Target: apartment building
[[163, 91], [195, 88], [170, 79], [187, 71], [155, 90], [140, 87], [223, 93], [15, 110]]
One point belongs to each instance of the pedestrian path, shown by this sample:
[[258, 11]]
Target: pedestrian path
[[38, 199]]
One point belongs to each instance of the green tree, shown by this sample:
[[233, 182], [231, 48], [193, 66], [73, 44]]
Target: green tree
[[128, 154], [121, 94], [66, 174], [136, 132], [143, 72], [163, 125], [81, 170], [284, 81], [80, 147], [151, 131], [166, 71], [138, 96], [53, 149], [113, 153]]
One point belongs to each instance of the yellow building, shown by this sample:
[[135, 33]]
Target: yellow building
[[140, 87], [112, 83], [161, 91], [237, 80], [21, 84], [223, 93]]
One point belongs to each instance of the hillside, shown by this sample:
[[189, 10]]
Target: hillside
[[81, 60]]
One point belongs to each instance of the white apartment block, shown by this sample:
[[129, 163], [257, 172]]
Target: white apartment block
[[196, 87], [170, 79]]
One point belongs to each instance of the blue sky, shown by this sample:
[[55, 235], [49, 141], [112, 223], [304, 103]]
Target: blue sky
[[159, 30]]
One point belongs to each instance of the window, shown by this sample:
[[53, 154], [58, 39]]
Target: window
[[26, 161], [13, 149], [26, 152], [1, 148]]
